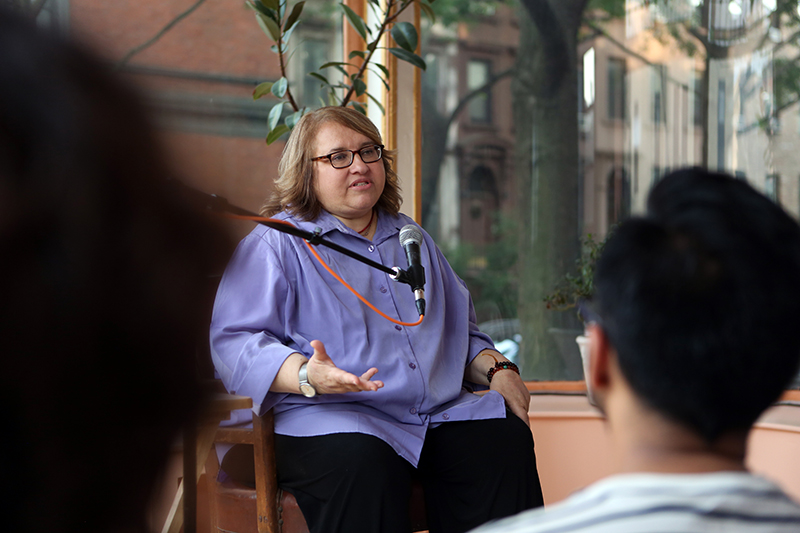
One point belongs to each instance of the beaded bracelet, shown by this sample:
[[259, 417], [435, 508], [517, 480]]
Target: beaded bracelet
[[501, 365]]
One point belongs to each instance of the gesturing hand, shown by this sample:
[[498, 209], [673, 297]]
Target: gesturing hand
[[327, 378]]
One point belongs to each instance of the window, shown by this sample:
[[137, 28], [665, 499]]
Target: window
[[478, 73], [659, 106], [507, 162], [772, 187], [698, 100], [664, 111], [616, 88], [618, 200]]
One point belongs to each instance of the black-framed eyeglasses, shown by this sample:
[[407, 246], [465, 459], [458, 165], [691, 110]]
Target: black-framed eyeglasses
[[344, 158]]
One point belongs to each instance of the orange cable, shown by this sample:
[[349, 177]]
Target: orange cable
[[328, 268]]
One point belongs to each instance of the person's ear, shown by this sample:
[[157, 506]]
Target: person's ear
[[599, 374]]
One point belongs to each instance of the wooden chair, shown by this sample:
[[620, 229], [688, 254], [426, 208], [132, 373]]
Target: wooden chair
[[267, 509], [240, 509], [197, 443]]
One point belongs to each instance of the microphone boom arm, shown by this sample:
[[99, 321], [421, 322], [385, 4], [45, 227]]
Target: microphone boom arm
[[216, 204]]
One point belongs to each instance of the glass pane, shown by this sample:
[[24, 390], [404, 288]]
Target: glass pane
[[589, 110], [477, 76], [198, 63]]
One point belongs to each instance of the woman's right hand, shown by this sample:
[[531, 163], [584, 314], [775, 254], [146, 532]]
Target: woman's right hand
[[327, 378]]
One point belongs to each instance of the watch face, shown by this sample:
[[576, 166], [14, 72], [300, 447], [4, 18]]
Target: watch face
[[307, 390]]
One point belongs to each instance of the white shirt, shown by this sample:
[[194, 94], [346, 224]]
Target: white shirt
[[727, 502]]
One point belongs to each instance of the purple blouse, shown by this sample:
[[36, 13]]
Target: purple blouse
[[275, 298]]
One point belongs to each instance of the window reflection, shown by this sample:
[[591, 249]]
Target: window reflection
[[589, 119]]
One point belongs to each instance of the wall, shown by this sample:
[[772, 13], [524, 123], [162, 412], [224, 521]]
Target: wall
[[573, 448]]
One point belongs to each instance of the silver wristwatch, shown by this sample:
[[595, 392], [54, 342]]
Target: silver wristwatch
[[306, 388]]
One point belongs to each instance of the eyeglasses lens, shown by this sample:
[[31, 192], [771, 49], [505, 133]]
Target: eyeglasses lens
[[369, 154]]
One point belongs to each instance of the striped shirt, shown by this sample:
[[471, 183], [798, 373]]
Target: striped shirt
[[664, 503]]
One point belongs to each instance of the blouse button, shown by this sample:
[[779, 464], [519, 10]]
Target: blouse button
[[371, 248], [398, 328], [412, 365], [446, 416], [383, 289], [413, 410]]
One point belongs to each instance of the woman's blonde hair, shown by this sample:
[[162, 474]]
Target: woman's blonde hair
[[294, 188]]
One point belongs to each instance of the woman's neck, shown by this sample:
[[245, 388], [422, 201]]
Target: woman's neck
[[364, 225]]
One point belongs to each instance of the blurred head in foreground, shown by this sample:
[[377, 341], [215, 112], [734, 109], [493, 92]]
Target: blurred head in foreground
[[698, 299], [103, 270]]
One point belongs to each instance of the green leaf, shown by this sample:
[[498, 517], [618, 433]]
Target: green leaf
[[279, 87], [275, 115], [426, 7], [340, 69], [274, 48], [288, 33], [291, 120], [407, 56], [377, 103], [405, 35], [293, 16], [360, 86], [358, 107], [258, 7], [320, 77], [276, 134], [358, 53], [262, 89], [383, 69], [270, 4], [355, 21], [335, 64], [269, 26]]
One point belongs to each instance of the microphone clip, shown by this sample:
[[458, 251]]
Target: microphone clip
[[401, 276], [405, 276]]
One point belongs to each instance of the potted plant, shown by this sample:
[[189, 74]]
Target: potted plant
[[578, 285]]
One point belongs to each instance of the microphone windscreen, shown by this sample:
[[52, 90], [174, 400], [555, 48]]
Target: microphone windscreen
[[410, 234]]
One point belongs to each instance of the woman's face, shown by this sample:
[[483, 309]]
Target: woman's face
[[347, 193]]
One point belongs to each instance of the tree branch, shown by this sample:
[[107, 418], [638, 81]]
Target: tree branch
[[633, 53], [135, 50], [475, 92], [282, 64]]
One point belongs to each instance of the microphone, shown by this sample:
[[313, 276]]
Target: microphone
[[410, 239]]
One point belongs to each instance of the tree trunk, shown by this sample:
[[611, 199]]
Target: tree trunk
[[547, 163]]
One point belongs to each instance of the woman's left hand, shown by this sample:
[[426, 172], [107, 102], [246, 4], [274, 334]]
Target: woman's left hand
[[511, 387]]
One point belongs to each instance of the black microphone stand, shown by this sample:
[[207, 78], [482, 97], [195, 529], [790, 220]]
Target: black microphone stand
[[217, 204]]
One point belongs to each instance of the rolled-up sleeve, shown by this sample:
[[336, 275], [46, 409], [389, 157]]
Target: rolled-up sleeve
[[247, 322]]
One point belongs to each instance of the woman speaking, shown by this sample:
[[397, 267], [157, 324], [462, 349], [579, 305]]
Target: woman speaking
[[365, 403]]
